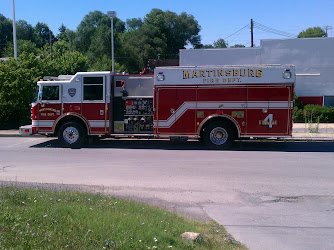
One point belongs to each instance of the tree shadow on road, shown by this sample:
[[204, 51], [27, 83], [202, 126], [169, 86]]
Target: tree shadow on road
[[247, 145]]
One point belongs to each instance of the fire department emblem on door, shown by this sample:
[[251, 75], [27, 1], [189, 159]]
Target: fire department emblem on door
[[72, 92]]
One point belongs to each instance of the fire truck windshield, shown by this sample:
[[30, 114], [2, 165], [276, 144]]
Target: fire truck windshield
[[36, 94]]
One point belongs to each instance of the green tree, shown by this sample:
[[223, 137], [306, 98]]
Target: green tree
[[312, 32], [24, 30], [205, 46], [60, 48], [6, 32], [68, 36], [105, 64], [92, 23], [141, 45], [238, 46], [18, 79], [159, 33], [70, 63], [62, 61], [62, 33], [42, 34], [133, 24], [220, 43], [93, 36], [176, 30], [22, 46]]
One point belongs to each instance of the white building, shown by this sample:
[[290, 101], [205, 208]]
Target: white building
[[313, 58]]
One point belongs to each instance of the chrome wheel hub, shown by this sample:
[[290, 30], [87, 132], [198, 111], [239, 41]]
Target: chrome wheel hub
[[218, 136], [71, 135]]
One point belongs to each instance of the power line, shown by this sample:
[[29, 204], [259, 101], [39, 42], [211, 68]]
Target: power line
[[272, 30], [246, 26]]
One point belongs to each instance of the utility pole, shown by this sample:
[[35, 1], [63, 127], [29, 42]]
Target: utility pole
[[14, 31], [50, 37], [252, 43], [327, 27]]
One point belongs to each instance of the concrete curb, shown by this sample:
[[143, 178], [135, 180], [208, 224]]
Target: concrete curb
[[306, 139], [18, 135], [15, 133]]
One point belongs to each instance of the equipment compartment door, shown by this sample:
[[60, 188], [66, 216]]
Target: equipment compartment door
[[257, 111], [94, 108], [165, 111], [268, 110], [176, 111], [280, 105]]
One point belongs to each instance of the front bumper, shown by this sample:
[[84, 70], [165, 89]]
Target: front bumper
[[25, 130]]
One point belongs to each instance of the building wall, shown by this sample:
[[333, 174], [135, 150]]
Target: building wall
[[313, 58]]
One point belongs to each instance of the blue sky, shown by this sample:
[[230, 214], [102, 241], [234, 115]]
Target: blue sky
[[218, 19]]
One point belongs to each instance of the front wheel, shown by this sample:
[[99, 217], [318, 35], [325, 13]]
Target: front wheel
[[71, 135], [219, 135]]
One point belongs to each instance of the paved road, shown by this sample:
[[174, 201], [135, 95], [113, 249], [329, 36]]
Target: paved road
[[269, 195]]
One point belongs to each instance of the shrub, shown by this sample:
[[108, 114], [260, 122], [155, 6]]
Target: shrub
[[298, 103], [298, 115], [12, 115], [313, 114], [18, 81]]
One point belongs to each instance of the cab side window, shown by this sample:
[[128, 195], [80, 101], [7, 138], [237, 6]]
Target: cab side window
[[93, 88], [50, 93]]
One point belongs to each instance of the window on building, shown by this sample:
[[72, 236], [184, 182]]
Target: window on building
[[93, 88], [50, 93], [329, 101]]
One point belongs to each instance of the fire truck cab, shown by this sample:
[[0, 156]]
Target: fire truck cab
[[216, 104]]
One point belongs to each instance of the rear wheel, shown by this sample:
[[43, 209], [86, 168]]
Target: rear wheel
[[219, 135], [71, 135]]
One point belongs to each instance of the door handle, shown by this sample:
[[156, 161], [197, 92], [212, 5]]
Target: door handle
[[172, 110]]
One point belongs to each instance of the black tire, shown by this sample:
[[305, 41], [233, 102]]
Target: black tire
[[219, 135], [71, 135]]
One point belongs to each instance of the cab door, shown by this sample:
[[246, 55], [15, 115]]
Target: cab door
[[50, 106], [94, 108]]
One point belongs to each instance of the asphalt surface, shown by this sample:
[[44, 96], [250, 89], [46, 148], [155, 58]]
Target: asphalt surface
[[268, 195]]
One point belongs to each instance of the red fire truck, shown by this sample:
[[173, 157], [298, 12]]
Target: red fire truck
[[215, 104]]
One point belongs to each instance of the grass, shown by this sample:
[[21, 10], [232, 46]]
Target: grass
[[44, 219]]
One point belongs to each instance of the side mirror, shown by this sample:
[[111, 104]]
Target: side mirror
[[40, 96]]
